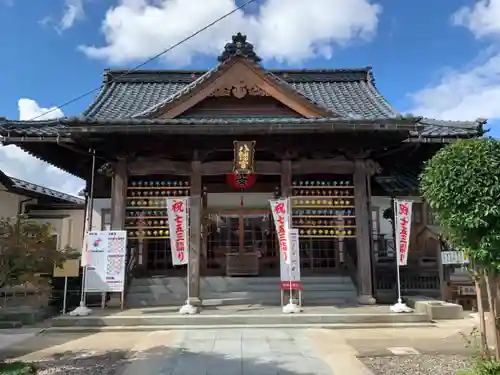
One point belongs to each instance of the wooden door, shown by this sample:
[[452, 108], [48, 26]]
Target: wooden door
[[240, 242]]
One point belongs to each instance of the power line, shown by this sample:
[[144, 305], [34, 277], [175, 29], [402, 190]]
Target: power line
[[199, 31]]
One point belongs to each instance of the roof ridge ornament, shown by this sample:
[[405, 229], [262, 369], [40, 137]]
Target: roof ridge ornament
[[239, 47]]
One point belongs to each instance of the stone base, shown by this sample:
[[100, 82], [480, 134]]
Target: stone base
[[195, 301], [437, 310], [366, 299]]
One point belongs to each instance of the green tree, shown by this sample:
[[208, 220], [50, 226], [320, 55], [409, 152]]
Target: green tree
[[461, 183], [28, 251]]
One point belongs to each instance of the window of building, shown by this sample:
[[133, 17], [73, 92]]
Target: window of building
[[431, 217], [106, 219]]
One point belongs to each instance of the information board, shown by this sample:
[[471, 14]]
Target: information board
[[291, 272], [453, 257], [106, 253]]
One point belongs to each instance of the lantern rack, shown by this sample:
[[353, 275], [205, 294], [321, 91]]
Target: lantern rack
[[146, 215]]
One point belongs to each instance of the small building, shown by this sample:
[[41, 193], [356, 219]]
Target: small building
[[64, 212], [325, 137]]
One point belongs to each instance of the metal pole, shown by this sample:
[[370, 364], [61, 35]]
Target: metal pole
[[65, 295], [90, 210], [289, 211], [188, 231], [397, 251]]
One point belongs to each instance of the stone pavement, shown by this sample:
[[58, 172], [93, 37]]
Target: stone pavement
[[10, 337], [229, 351], [237, 351]]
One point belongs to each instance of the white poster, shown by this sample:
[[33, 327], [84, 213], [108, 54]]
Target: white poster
[[281, 215], [453, 257], [403, 217], [106, 256], [177, 211], [291, 272]]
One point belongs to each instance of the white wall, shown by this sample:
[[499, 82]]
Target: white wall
[[99, 204], [233, 200], [9, 202]]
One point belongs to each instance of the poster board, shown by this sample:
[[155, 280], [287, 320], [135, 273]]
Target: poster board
[[292, 270], [106, 253], [69, 268]]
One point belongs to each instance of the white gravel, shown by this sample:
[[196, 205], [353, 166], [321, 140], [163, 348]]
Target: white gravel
[[417, 364], [83, 364]]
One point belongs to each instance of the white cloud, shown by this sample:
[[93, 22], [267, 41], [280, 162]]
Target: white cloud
[[472, 91], [464, 94], [17, 163], [138, 29], [73, 11], [483, 19], [30, 110]]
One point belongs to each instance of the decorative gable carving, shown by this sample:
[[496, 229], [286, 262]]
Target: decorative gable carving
[[238, 90]]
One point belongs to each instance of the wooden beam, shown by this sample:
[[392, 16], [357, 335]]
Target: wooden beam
[[337, 165], [195, 234], [149, 166], [286, 178], [118, 195], [156, 165], [363, 233]]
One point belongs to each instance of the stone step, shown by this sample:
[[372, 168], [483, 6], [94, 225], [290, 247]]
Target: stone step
[[229, 320], [270, 287], [8, 324], [237, 282], [249, 297], [144, 300], [153, 328]]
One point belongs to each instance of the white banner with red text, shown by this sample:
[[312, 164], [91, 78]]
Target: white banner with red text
[[403, 216], [178, 216], [290, 273], [281, 215]]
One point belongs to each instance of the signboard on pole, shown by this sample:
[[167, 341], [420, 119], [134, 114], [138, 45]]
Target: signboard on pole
[[69, 268], [453, 257], [106, 261], [281, 215], [402, 215], [177, 211], [290, 273]]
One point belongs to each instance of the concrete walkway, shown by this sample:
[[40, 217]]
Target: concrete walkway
[[231, 352], [10, 337], [235, 351]]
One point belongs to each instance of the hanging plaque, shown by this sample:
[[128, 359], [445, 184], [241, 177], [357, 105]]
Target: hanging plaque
[[244, 152]]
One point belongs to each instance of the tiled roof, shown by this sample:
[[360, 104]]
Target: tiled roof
[[399, 182], [65, 127], [28, 188], [349, 93], [423, 130]]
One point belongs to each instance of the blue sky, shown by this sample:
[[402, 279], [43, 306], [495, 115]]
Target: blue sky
[[434, 58]]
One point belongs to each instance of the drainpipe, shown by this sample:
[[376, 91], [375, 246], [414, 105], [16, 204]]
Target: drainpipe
[[20, 209]]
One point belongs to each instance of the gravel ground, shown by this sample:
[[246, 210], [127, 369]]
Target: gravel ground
[[81, 364], [417, 364]]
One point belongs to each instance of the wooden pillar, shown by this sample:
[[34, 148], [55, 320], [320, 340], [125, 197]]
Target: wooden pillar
[[195, 233], [363, 237], [286, 178], [118, 195]]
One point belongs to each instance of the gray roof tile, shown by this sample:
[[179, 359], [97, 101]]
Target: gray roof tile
[[344, 92], [399, 182]]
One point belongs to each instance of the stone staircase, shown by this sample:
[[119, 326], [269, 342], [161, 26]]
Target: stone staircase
[[219, 291]]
